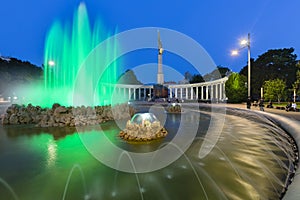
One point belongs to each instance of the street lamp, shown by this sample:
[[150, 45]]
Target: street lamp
[[245, 43]]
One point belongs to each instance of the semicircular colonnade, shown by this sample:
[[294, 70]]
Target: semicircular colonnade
[[205, 91]]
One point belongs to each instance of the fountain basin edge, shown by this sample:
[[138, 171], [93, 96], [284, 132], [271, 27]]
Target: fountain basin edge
[[291, 127]]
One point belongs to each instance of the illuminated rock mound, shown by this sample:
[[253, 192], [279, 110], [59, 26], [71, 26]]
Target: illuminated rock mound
[[143, 127], [174, 108], [61, 116]]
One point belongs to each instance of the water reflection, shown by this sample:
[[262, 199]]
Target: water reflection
[[30, 130], [52, 153]]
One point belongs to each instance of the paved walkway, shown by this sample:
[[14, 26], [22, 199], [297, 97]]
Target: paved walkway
[[290, 114]]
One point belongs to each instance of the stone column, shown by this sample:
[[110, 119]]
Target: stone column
[[217, 92], [207, 88], [171, 94], [212, 92], [181, 93], [223, 90], [192, 91], [134, 93], [197, 93], [186, 93], [139, 93], [220, 91], [176, 93], [202, 92], [129, 93]]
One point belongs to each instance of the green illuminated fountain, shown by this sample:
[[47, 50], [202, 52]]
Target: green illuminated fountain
[[66, 50]]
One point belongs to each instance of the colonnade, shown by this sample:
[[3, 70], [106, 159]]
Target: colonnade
[[213, 90], [134, 92]]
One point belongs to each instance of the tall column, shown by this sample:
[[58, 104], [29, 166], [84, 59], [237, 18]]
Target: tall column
[[160, 75], [207, 88], [134, 93], [197, 93], [221, 91], [202, 92], [171, 94], [176, 93], [139, 93], [186, 93], [217, 92], [192, 93], [180, 93], [129, 93], [145, 93]]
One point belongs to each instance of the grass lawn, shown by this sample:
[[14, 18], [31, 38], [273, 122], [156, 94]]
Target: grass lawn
[[282, 105]]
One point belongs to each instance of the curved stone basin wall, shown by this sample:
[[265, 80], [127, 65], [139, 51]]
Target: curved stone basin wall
[[292, 127]]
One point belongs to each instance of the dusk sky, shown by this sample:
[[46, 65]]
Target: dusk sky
[[216, 25]]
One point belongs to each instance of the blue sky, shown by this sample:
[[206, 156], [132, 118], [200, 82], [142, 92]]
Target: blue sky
[[216, 25]]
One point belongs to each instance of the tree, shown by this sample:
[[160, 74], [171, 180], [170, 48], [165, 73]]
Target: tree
[[219, 72], [188, 76], [275, 63], [235, 88], [197, 78], [296, 85], [15, 74], [129, 77], [274, 89]]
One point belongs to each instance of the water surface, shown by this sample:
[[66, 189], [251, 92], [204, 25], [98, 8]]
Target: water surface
[[250, 160]]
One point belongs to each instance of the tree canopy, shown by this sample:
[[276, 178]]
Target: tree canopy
[[235, 88], [15, 73], [197, 78], [275, 63], [296, 85], [274, 90], [218, 73], [129, 77]]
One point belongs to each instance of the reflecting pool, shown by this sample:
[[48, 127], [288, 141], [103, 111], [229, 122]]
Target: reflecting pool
[[252, 159]]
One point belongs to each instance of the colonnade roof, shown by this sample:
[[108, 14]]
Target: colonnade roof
[[219, 81]]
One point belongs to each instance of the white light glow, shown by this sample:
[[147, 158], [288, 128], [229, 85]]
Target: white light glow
[[244, 42], [51, 63], [234, 52]]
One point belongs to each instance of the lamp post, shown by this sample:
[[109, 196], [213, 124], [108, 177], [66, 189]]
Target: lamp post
[[246, 43], [249, 67]]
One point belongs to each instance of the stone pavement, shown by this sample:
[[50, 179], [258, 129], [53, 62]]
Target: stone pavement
[[290, 114]]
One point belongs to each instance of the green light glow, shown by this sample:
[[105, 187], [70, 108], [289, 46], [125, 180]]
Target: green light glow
[[66, 50]]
